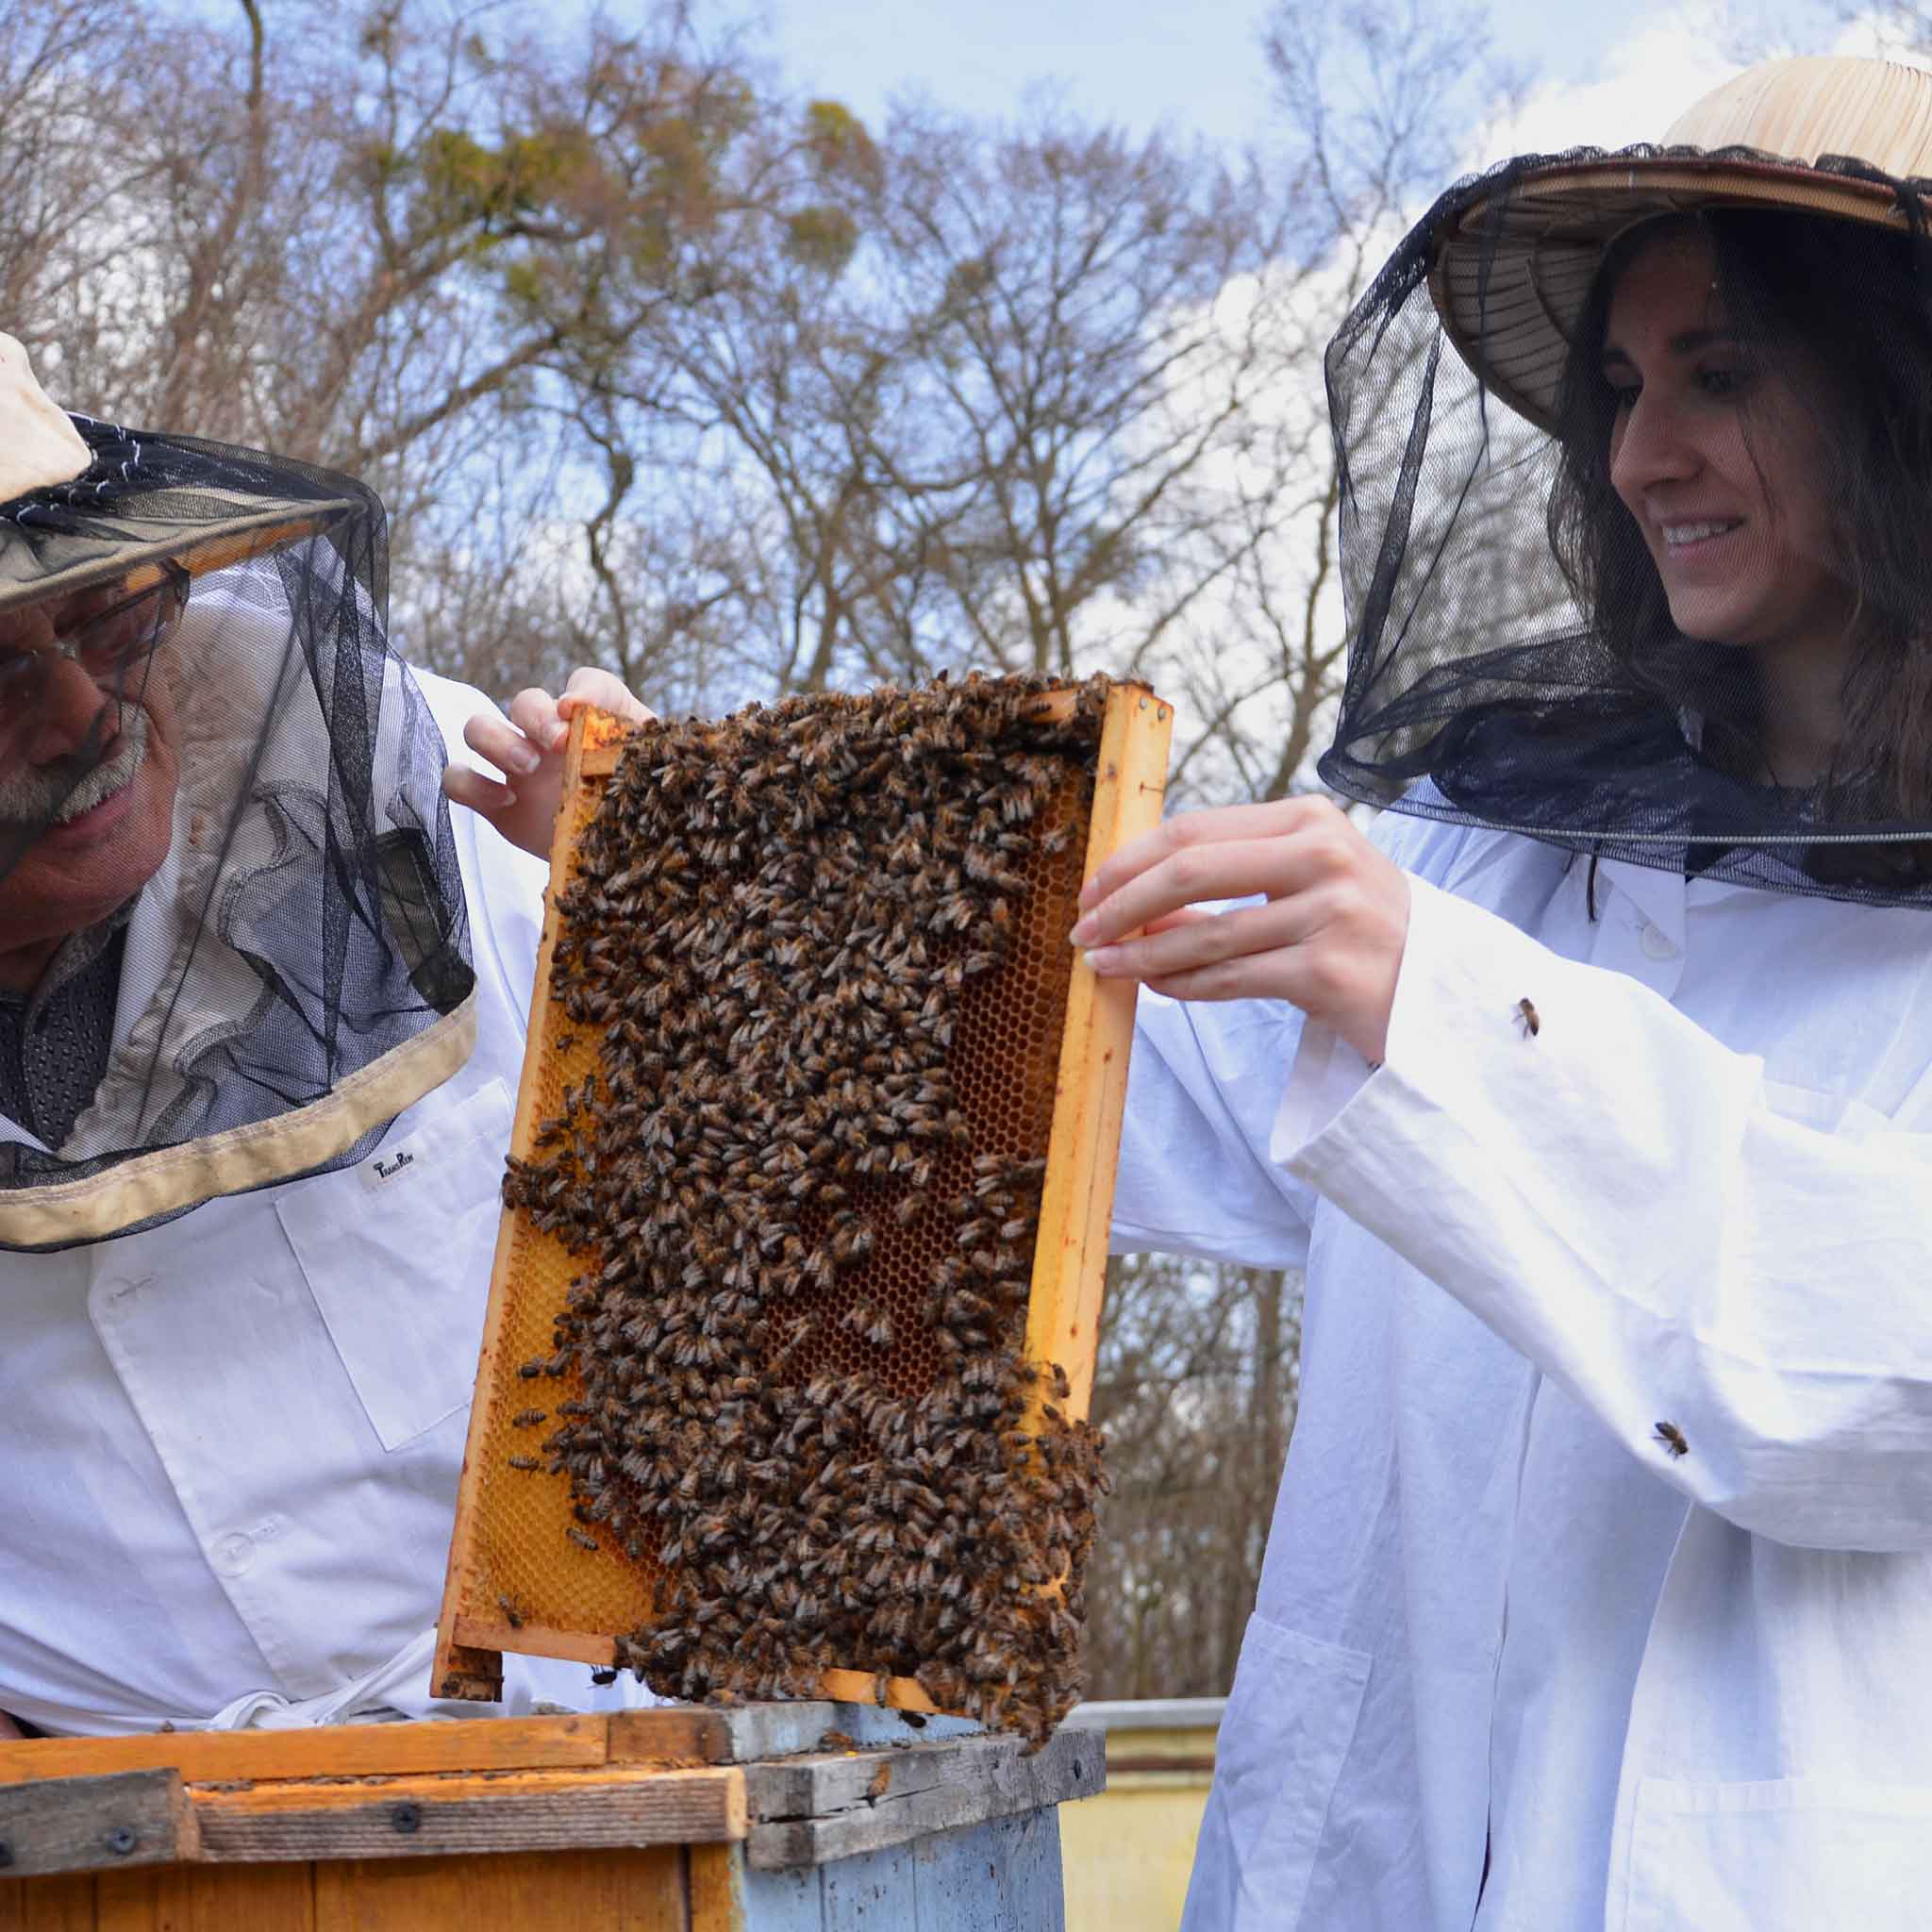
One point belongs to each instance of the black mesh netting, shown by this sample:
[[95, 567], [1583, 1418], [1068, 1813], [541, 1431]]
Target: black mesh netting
[[1516, 656], [241, 782]]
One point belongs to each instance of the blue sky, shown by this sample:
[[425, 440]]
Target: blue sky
[[1195, 65]]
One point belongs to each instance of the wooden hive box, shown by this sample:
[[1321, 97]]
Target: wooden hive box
[[800, 1818], [1039, 1064]]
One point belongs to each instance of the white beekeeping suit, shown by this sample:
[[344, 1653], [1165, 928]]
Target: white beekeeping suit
[[1600, 1584]]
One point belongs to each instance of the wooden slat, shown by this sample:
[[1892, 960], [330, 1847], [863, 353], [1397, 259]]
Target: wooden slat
[[716, 1889], [539, 1640], [47, 1904], [672, 1735], [811, 1809], [206, 1898], [600, 759], [1004, 1872], [520, 1892], [1077, 1202], [462, 1670], [507, 1812], [89, 1823], [326, 1751]]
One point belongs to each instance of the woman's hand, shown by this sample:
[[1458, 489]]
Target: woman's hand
[[528, 750], [1330, 939]]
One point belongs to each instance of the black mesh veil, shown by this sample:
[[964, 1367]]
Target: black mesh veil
[[224, 849], [1527, 650]]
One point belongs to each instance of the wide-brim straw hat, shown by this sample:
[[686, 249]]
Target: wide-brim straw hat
[[1514, 266], [84, 501]]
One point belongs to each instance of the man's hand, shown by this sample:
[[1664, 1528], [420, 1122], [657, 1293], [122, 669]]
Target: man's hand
[[1330, 939], [528, 750]]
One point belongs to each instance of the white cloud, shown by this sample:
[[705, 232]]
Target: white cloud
[[1669, 59]]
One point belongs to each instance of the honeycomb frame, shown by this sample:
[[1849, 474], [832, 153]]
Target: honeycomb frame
[[514, 1582]]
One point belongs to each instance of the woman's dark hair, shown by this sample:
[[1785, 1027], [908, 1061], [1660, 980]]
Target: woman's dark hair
[[1856, 298]]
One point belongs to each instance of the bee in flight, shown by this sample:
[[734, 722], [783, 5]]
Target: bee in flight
[[1672, 1436]]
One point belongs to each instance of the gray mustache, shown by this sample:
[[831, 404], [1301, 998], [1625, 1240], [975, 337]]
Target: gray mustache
[[37, 796]]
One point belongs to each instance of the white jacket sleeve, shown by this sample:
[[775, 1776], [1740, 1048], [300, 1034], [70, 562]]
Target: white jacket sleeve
[[1209, 1085], [1204, 1083], [1618, 1198], [503, 886]]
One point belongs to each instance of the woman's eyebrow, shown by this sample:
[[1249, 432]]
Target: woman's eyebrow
[[1684, 342]]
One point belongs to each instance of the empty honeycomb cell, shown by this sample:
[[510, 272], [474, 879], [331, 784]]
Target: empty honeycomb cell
[[774, 1198]]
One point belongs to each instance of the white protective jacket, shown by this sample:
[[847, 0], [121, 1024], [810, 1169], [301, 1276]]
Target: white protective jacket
[[1497, 1610], [229, 1445]]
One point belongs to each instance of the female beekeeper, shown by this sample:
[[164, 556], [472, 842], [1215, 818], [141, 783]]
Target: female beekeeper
[[1594, 1090]]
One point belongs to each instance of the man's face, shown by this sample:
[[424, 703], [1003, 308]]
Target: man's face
[[88, 759]]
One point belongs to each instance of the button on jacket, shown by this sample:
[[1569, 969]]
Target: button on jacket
[[1604, 1542], [230, 1448]]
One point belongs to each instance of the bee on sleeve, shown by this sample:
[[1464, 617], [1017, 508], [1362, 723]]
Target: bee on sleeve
[[1527, 1018], [1671, 1438]]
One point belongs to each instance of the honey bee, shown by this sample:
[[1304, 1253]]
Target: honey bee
[[578, 1538], [512, 1611], [1527, 1018], [524, 1462], [1671, 1438]]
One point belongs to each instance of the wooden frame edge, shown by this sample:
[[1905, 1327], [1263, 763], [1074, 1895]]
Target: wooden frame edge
[[474, 1672], [1090, 1095]]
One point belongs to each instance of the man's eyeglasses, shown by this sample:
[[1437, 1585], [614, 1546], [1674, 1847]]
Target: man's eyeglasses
[[108, 633]]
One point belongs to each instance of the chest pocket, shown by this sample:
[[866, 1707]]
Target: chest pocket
[[396, 1252]]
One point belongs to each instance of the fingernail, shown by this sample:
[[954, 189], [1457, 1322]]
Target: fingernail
[[1089, 896], [559, 738], [1086, 932], [524, 758], [1103, 958]]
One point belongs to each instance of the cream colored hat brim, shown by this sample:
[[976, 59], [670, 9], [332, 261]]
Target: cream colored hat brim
[[1541, 247]]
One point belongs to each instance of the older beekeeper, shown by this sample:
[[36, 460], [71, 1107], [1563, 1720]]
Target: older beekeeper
[[1594, 1092], [257, 1066]]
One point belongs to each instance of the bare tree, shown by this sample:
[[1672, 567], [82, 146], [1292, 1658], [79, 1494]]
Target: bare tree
[[659, 368], [1196, 1394]]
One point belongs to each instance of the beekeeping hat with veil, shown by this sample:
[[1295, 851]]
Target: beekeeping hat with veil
[[213, 767], [1513, 658]]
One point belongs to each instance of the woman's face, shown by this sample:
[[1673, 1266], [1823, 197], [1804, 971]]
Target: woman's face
[[1721, 464]]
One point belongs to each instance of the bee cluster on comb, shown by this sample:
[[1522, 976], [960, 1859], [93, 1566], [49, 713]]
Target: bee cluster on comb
[[821, 949]]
